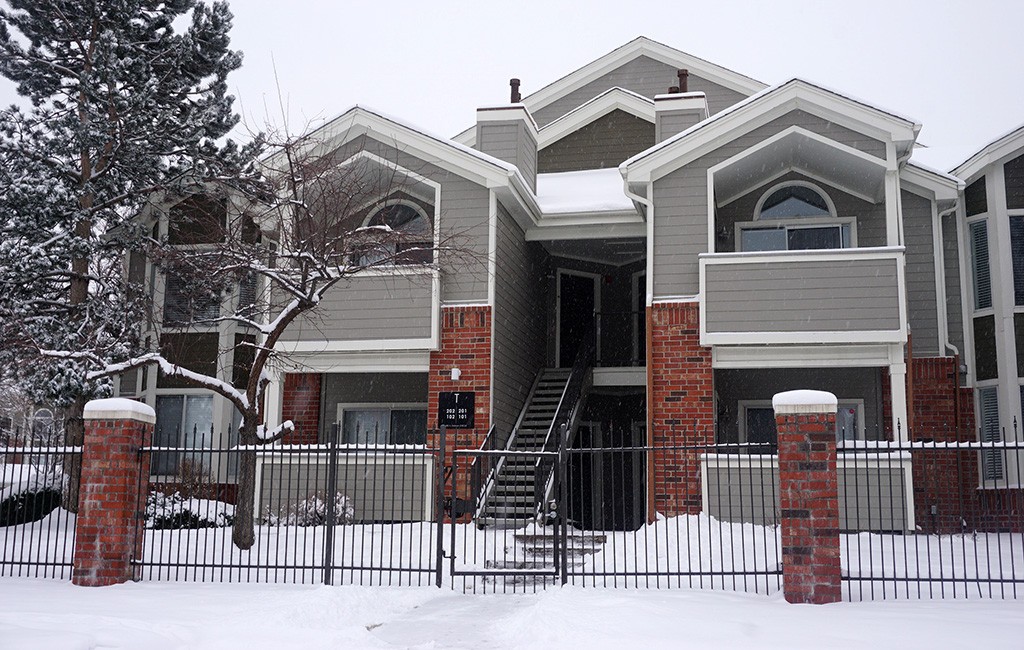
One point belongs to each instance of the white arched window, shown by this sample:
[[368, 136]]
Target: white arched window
[[409, 241], [795, 215]]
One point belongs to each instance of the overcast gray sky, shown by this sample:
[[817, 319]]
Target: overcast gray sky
[[956, 67]]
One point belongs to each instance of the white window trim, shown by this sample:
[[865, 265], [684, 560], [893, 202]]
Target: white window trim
[[795, 224], [185, 393], [378, 406], [796, 183], [744, 404]]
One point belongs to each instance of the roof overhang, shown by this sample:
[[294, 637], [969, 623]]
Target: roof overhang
[[638, 47], [796, 94], [1002, 147], [610, 100], [932, 184]]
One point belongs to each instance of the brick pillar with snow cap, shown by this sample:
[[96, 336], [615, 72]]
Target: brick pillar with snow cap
[[114, 484], [808, 496]]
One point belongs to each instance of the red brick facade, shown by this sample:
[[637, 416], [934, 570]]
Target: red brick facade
[[466, 345], [113, 477], [680, 406], [809, 507], [301, 405]]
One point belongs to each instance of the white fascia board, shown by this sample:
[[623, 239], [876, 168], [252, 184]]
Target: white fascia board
[[364, 345], [930, 183], [340, 362], [636, 48], [608, 101], [809, 337], [1002, 147], [591, 230], [704, 137], [507, 113], [800, 356]]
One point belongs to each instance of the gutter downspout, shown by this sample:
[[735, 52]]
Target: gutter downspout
[[941, 297]]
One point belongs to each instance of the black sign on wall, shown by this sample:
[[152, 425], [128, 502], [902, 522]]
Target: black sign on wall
[[455, 409]]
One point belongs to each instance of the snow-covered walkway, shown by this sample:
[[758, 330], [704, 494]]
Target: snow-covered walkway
[[45, 614]]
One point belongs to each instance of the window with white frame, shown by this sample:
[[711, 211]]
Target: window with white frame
[[408, 238], [980, 275], [795, 216], [757, 423], [182, 422], [382, 424]]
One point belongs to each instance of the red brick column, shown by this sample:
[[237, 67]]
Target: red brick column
[[680, 406], [808, 496], [466, 345], [301, 405], [114, 480]]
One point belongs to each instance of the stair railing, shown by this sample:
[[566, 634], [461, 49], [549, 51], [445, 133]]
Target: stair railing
[[564, 422]]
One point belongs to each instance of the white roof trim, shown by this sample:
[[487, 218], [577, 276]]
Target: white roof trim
[[610, 100], [640, 46], [1003, 146], [758, 110], [942, 186]]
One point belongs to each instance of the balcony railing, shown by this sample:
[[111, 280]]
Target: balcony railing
[[855, 295]]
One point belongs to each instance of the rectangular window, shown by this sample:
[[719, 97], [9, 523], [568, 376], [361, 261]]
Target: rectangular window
[[979, 265], [1013, 177], [384, 426], [1017, 258], [183, 305], [975, 200], [985, 348], [758, 424], [183, 422], [991, 459], [795, 237]]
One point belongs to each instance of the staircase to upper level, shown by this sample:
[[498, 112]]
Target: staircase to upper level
[[510, 500]]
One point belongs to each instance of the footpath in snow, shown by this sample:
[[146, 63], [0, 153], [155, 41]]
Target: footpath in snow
[[53, 614]]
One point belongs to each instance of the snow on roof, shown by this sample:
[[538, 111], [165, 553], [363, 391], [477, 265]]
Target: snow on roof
[[119, 408], [592, 190], [971, 166], [931, 170]]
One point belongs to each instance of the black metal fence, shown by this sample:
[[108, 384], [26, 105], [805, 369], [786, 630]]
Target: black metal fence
[[334, 514], [932, 520], [37, 534]]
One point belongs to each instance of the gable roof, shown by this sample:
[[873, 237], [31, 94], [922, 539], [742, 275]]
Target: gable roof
[[1005, 145], [610, 100], [795, 94], [638, 47]]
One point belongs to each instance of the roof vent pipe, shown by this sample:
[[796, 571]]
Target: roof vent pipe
[[516, 97], [683, 75]]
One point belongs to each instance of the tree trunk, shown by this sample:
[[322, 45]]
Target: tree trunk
[[74, 436], [243, 531]]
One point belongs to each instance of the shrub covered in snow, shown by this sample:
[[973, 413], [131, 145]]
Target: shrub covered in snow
[[174, 511], [312, 511], [29, 492]]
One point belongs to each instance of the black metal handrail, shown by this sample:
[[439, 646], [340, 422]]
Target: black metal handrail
[[565, 416], [483, 471]]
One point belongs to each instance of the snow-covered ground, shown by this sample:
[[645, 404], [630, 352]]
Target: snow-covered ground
[[45, 614]]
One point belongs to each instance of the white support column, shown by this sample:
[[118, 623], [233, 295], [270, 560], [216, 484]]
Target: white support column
[[274, 394], [893, 229], [898, 392]]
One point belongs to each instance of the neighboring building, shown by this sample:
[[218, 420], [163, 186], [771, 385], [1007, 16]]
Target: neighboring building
[[716, 243]]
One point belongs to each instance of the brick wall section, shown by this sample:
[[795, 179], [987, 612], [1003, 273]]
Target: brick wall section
[[301, 405], [809, 507], [466, 345], [109, 497], [680, 403]]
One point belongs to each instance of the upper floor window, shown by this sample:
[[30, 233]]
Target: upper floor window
[[982, 279], [409, 241], [795, 216], [198, 219]]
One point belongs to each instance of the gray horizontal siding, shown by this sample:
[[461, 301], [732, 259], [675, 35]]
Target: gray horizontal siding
[[681, 202], [644, 76], [369, 308], [951, 258], [669, 123], [869, 499], [380, 487], [519, 320], [605, 142], [807, 296], [922, 301]]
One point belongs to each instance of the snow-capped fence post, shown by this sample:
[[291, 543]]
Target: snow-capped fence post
[[113, 475], [809, 496]]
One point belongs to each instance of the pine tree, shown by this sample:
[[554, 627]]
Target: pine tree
[[119, 105]]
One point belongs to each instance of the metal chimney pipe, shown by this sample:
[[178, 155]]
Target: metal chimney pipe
[[516, 97], [683, 75]]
